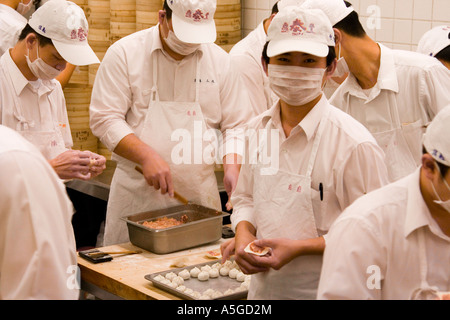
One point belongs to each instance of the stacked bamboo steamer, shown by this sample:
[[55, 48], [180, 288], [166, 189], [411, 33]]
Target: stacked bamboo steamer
[[123, 18], [228, 23], [78, 97], [147, 13]]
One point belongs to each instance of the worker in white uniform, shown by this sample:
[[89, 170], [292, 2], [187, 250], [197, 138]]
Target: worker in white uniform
[[326, 160], [394, 243], [32, 102], [246, 55], [394, 93], [13, 21], [436, 43], [155, 88], [37, 245]]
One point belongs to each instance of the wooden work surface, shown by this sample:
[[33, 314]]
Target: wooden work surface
[[124, 275]]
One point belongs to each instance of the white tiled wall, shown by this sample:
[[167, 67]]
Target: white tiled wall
[[398, 24]]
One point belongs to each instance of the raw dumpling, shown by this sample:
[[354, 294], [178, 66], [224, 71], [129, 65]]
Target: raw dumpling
[[178, 280], [194, 272], [233, 273], [184, 274], [253, 249], [205, 268], [213, 273], [224, 271], [240, 276], [203, 276], [170, 276]]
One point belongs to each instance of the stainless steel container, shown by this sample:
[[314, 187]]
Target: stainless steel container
[[203, 225]]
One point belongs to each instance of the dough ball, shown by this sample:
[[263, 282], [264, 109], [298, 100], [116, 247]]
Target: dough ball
[[158, 278], [206, 268], [204, 297], [228, 264], [178, 280], [170, 276], [184, 274], [194, 272], [203, 276], [224, 271], [228, 292], [181, 288], [188, 291], [165, 281], [240, 276], [216, 294], [216, 265], [172, 284], [209, 292], [233, 273], [213, 273]]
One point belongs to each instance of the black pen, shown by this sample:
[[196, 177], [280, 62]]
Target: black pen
[[321, 191]]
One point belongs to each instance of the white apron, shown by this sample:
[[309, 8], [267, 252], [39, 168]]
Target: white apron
[[196, 181], [284, 209], [50, 143], [401, 144], [425, 291]]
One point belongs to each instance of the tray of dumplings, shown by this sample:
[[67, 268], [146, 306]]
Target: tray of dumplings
[[205, 281]]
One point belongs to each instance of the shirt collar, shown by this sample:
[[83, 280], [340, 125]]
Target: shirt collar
[[309, 123], [18, 80], [417, 213], [387, 77]]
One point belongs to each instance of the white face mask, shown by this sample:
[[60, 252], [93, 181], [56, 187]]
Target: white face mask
[[24, 8], [40, 69], [179, 46], [341, 66], [444, 204], [295, 85]]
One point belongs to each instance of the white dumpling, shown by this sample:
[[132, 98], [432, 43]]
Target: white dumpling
[[203, 276], [178, 280], [216, 294], [181, 288], [206, 268], [240, 276], [170, 276], [224, 271], [188, 291], [184, 274], [216, 265], [194, 272], [208, 292], [159, 278], [233, 273], [228, 292], [213, 273]]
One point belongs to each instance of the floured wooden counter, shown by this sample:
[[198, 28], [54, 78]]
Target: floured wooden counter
[[124, 276]]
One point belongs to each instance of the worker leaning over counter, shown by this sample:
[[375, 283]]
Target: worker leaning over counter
[[393, 243], [13, 21], [394, 93], [37, 245], [436, 43], [152, 86], [32, 102], [326, 161]]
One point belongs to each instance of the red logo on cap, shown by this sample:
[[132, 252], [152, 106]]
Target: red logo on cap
[[197, 16], [297, 27], [79, 34]]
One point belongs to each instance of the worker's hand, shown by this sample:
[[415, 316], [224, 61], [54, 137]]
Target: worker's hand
[[246, 261], [157, 173], [227, 249], [282, 252], [72, 164], [97, 164], [230, 178]]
